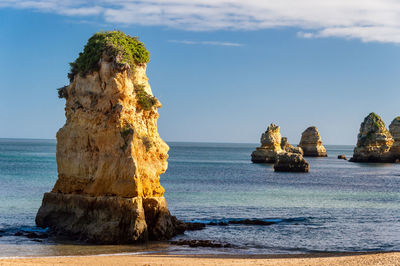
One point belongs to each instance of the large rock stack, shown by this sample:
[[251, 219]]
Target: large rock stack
[[311, 143], [109, 154], [374, 141], [270, 146], [279, 151], [394, 130]]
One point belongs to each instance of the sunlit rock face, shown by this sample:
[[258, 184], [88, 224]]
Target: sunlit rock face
[[374, 141], [286, 146], [394, 130], [110, 158], [311, 143], [270, 146]]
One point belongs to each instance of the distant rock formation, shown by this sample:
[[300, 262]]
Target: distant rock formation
[[342, 157], [311, 143], [291, 162], [374, 141], [270, 146], [109, 154], [286, 146], [394, 130]]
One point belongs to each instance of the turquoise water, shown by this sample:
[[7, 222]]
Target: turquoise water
[[338, 206]]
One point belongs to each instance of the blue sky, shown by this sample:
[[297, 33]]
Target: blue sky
[[223, 72]]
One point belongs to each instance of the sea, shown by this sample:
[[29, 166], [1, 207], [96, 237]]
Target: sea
[[338, 206]]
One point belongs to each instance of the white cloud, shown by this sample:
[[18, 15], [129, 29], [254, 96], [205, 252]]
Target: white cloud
[[368, 20], [217, 43]]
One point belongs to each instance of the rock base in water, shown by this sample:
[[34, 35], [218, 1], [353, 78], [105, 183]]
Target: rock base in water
[[342, 157], [291, 162], [374, 142], [201, 243], [261, 155], [311, 143], [108, 219], [270, 146], [372, 159]]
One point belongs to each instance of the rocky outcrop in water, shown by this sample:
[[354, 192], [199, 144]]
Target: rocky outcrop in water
[[109, 153], [311, 143], [286, 146], [270, 146], [201, 243], [394, 130], [374, 141], [291, 162]]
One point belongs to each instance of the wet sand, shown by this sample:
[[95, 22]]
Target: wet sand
[[389, 258]]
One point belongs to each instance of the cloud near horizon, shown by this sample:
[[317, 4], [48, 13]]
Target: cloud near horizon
[[367, 20]]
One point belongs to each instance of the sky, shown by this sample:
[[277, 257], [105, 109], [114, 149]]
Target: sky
[[223, 69]]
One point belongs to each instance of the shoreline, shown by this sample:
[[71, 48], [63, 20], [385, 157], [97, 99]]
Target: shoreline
[[329, 258]]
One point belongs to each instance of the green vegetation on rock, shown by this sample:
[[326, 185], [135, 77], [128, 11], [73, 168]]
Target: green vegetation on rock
[[123, 48], [145, 100], [63, 92], [126, 131], [396, 119], [377, 120], [147, 143]]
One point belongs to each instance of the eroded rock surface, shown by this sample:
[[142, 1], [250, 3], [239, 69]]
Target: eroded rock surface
[[291, 162], [394, 130], [286, 146], [374, 141], [311, 143], [270, 146], [110, 158]]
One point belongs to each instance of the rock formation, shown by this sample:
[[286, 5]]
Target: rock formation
[[270, 146], [291, 162], [109, 154], [311, 143], [342, 157], [394, 130], [374, 141], [286, 146]]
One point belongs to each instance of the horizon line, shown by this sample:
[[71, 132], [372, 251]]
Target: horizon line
[[170, 141]]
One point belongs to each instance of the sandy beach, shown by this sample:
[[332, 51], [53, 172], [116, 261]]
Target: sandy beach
[[390, 258]]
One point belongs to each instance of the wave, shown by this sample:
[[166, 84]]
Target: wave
[[7, 231], [249, 221]]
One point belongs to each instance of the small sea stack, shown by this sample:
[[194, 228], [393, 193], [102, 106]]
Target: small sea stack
[[311, 143], [394, 130], [109, 153], [270, 146], [286, 146], [291, 162], [342, 157], [374, 141]]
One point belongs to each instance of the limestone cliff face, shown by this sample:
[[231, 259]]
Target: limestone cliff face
[[286, 146], [394, 130], [270, 146], [109, 144], [374, 141], [109, 158], [311, 143]]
